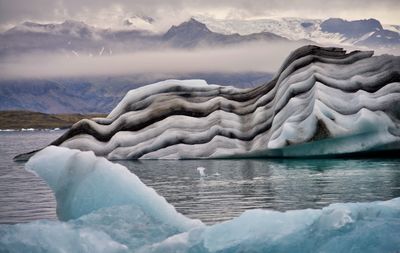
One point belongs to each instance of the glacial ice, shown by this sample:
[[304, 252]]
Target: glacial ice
[[110, 210], [321, 102], [83, 183]]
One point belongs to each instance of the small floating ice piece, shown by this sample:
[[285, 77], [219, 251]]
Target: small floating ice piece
[[201, 171]]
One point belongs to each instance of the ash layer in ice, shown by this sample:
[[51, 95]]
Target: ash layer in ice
[[322, 102]]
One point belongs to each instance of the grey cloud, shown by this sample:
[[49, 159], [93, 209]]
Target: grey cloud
[[17, 10], [13, 11]]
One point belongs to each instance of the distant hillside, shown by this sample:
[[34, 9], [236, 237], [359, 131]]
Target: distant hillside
[[37, 120], [96, 95]]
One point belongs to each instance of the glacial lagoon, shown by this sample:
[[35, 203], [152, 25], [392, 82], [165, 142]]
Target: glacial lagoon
[[104, 207], [228, 188]]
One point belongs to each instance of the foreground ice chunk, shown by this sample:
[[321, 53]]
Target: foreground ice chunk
[[83, 183], [366, 227], [352, 227], [110, 210]]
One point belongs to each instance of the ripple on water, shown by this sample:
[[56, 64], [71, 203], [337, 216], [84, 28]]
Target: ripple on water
[[228, 188]]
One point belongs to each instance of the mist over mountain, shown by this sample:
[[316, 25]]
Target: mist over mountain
[[76, 67], [74, 37]]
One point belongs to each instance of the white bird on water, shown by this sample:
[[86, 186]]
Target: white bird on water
[[201, 171]]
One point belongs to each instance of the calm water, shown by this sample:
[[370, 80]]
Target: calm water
[[229, 187]]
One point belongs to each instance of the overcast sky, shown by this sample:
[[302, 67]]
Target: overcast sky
[[105, 13]]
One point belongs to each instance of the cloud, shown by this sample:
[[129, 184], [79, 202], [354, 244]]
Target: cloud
[[106, 13], [254, 57]]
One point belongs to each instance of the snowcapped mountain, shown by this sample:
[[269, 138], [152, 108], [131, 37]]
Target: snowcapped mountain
[[75, 38], [72, 38], [291, 28], [350, 29], [369, 32], [333, 31], [194, 33]]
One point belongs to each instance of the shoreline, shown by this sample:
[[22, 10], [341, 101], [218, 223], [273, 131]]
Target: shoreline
[[23, 121], [34, 129]]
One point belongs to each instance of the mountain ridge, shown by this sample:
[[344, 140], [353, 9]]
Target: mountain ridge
[[74, 37], [331, 30], [77, 36]]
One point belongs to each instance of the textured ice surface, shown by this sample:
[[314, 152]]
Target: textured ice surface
[[322, 101], [83, 183], [111, 210]]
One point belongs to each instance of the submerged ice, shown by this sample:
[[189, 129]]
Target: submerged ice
[[105, 208]]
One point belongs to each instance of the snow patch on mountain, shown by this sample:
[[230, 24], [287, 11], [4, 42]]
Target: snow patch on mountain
[[140, 22], [333, 31], [291, 28]]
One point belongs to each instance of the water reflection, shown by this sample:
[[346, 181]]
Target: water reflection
[[272, 184]]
